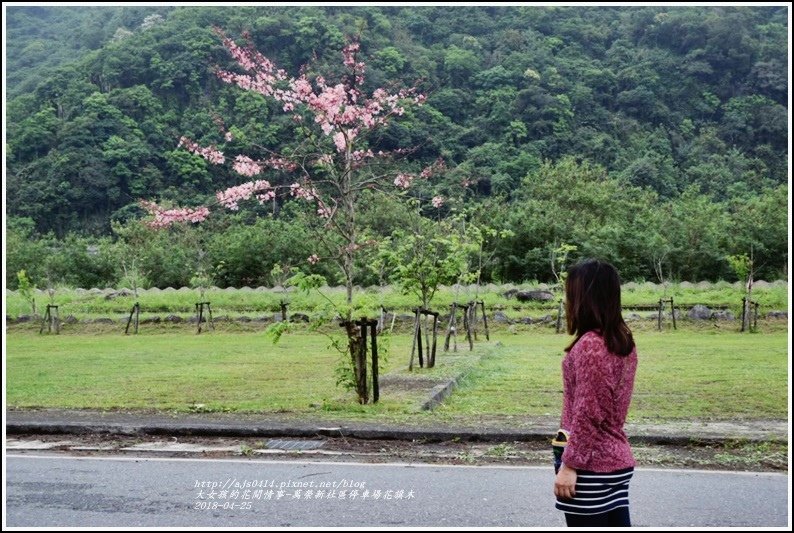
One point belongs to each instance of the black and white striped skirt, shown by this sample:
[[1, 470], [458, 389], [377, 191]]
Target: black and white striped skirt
[[598, 493]]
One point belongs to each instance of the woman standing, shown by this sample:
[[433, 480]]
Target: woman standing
[[592, 483]]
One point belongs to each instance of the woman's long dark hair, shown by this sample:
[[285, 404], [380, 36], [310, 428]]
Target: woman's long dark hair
[[592, 292]]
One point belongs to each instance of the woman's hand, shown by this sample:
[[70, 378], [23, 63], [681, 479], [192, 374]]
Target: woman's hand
[[565, 483]]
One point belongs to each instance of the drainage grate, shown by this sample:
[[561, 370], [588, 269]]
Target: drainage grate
[[278, 444]]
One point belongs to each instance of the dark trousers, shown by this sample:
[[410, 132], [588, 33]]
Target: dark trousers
[[615, 518]]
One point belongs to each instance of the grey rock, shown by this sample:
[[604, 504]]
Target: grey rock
[[70, 319], [174, 319], [500, 317], [526, 320], [777, 314], [24, 318], [634, 316], [723, 315], [119, 294], [699, 312], [151, 320], [263, 319], [243, 319], [222, 318], [537, 296], [510, 294], [103, 321], [299, 317]]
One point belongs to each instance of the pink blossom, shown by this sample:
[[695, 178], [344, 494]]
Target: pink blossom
[[313, 259], [231, 196], [281, 163], [298, 191], [403, 180], [349, 53], [360, 155], [269, 195], [437, 166], [166, 217], [333, 105], [246, 166], [209, 153], [340, 142], [438, 201], [228, 136]]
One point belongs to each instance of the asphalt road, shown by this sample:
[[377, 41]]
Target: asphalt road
[[127, 491]]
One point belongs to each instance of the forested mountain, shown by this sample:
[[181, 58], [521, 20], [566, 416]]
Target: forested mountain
[[683, 110]]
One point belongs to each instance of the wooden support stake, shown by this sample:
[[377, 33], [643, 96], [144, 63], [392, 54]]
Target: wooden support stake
[[485, 321], [51, 319], [375, 385], [413, 346], [129, 320], [744, 311], [44, 320], [362, 361], [209, 310], [451, 327], [433, 352], [427, 338], [382, 319], [659, 318], [419, 339], [467, 326], [473, 324], [672, 311]]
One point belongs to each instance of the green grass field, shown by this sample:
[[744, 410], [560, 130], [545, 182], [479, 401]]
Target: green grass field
[[683, 374], [697, 374], [247, 301]]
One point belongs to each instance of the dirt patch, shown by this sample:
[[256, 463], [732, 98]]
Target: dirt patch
[[407, 383]]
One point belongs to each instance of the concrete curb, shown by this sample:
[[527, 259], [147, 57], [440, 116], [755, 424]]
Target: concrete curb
[[439, 393], [366, 433]]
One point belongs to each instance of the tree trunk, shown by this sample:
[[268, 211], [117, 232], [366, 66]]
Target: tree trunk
[[348, 200]]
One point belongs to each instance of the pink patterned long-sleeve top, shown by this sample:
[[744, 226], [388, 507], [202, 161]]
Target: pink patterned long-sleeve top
[[597, 387]]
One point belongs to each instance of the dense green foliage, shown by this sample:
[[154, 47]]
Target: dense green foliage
[[644, 135]]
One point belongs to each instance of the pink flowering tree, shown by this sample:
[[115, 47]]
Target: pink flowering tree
[[330, 166]]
